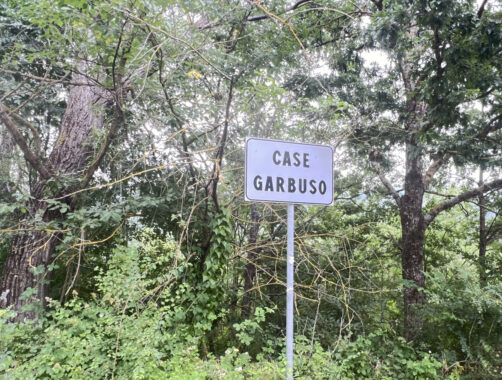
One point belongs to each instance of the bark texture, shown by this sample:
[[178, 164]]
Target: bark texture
[[31, 251], [413, 236], [6, 147]]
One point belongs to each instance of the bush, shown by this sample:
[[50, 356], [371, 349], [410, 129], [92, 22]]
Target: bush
[[140, 326], [379, 355], [464, 320], [136, 328]]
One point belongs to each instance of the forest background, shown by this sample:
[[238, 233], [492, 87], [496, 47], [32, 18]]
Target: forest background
[[126, 247]]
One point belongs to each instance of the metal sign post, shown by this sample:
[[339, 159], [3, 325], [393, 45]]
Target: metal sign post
[[292, 173], [290, 294]]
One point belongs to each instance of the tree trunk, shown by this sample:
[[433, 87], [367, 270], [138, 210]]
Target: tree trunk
[[250, 272], [482, 232], [6, 147], [31, 252], [413, 235], [26, 268]]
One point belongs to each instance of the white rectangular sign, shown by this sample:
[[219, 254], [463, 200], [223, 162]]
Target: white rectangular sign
[[286, 172]]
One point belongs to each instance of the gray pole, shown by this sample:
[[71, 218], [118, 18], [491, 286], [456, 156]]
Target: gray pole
[[290, 291]]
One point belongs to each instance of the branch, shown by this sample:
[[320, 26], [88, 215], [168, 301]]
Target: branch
[[118, 113], [433, 169], [491, 230], [387, 184], [36, 136], [439, 194], [194, 49], [437, 53], [179, 120], [404, 75], [44, 79], [285, 22], [118, 118], [34, 160], [482, 8], [395, 242], [259, 17], [14, 90], [485, 94], [218, 161], [493, 125], [195, 138], [449, 203]]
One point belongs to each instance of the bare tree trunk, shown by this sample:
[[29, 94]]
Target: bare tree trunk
[[26, 268], [413, 236], [31, 252], [412, 269]]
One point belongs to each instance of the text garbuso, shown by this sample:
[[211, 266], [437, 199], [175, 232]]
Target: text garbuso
[[289, 184]]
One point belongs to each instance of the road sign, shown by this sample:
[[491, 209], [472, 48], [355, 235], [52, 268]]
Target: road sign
[[286, 172]]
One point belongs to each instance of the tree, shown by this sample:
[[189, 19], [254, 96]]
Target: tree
[[76, 153], [115, 48], [69, 158], [435, 103], [444, 95]]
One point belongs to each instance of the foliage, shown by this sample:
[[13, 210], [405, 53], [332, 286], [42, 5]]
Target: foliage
[[160, 269], [464, 318], [379, 355], [211, 290], [135, 327], [138, 325]]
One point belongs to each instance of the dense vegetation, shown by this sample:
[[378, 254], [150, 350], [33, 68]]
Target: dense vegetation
[[126, 247]]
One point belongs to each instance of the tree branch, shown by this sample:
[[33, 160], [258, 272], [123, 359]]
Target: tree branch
[[482, 8], [36, 136], [44, 79], [449, 203], [386, 183], [404, 75], [33, 159], [179, 119], [118, 118], [395, 242], [437, 53], [493, 125], [298, 4], [433, 169], [218, 161], [118, 69], [195, 138]]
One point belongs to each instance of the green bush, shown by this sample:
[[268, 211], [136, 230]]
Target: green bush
[[140, 325], [379, 355], [464, 319], [135, 328]]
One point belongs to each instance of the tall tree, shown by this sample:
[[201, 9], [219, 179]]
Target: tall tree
[[431, 102], [192, 97], [75, 153], [26, 266]]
